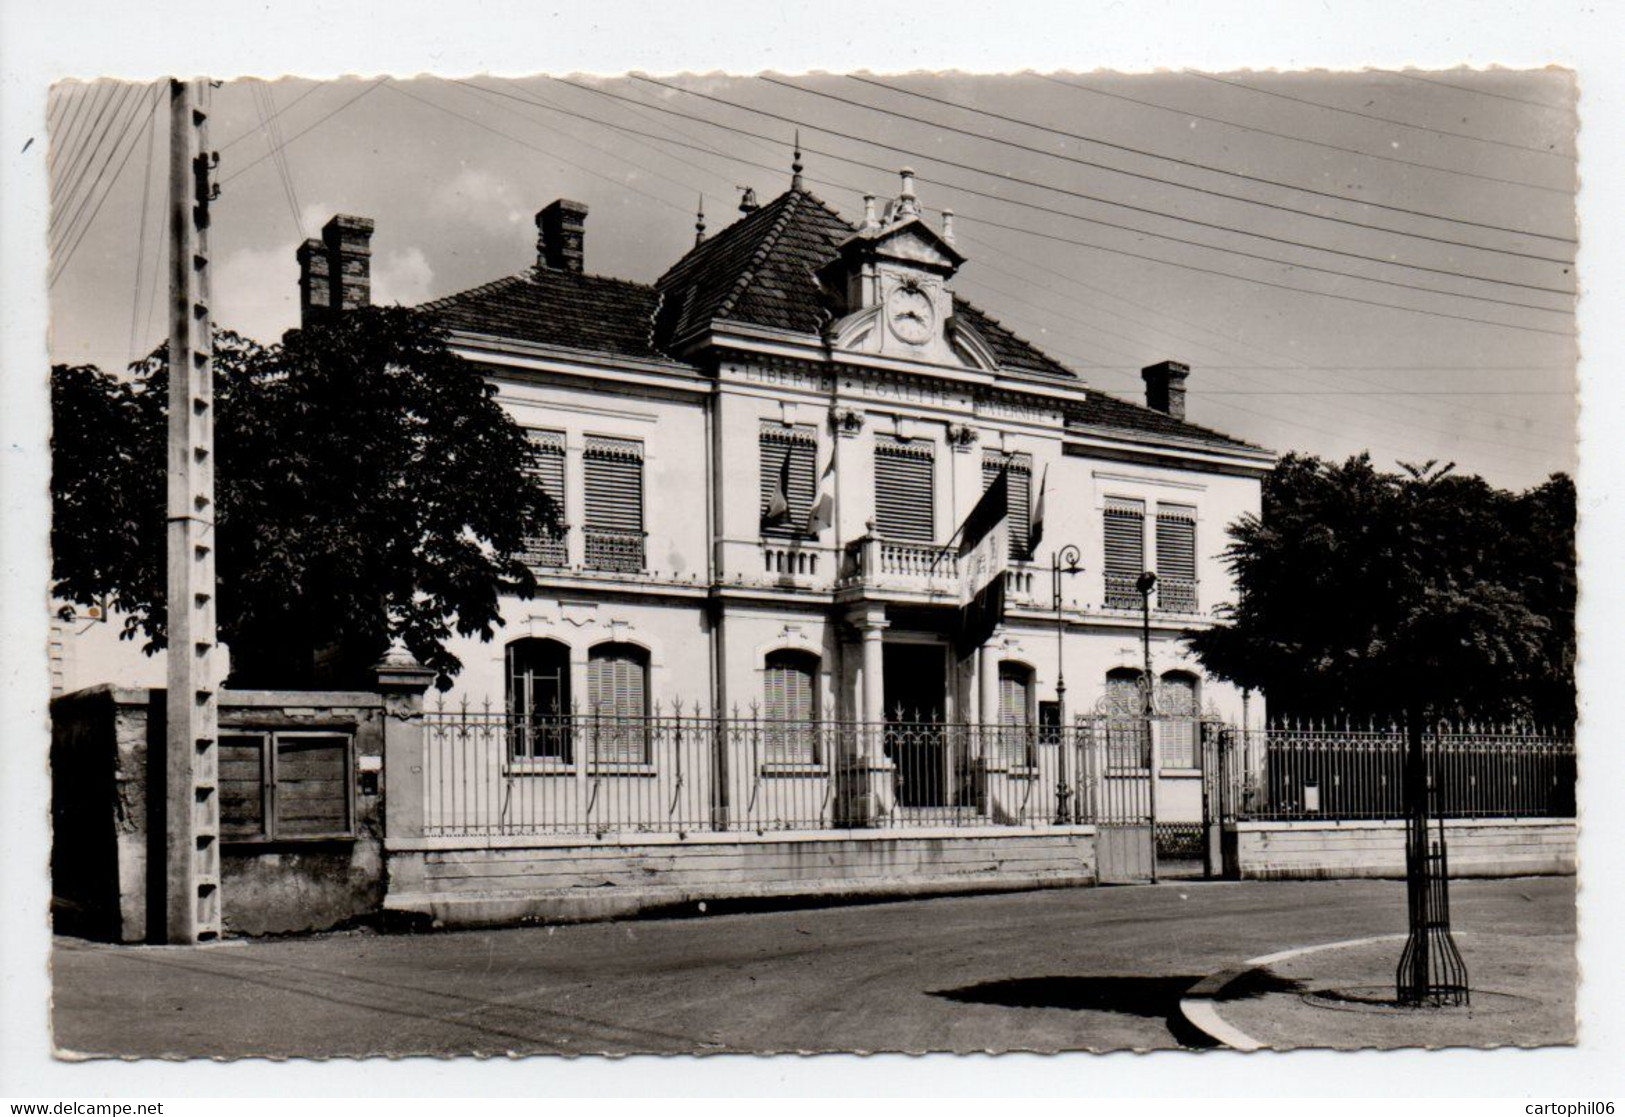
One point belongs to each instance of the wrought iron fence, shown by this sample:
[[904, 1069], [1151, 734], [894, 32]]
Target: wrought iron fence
[[1338, 772], [488, 772]]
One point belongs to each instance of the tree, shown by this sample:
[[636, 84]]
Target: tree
[[368, 487], [1416, 593]]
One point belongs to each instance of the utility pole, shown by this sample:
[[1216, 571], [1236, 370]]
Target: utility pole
[[192, 748]]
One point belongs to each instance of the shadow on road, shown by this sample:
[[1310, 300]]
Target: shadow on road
[[1153, 998]]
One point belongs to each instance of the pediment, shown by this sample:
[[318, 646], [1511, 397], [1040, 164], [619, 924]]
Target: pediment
[[915, 242]]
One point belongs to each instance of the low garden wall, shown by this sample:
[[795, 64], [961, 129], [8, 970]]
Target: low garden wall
[[1328, 850]]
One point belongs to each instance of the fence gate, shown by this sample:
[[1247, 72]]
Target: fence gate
[[1114, 770]]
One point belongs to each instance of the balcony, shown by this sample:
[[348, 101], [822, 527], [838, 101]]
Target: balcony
[[883, 564], [550, 550], [620, 552], [1172, 595]]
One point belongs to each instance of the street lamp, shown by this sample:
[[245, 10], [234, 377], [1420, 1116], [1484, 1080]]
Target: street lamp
[[1146, 583], [1065, 561]]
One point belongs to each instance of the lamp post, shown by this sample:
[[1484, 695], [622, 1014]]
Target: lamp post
[[1146, 583], [1064, 561]]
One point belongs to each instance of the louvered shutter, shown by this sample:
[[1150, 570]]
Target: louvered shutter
[[800, 445], [904, 509], [1178, 701], [1020, 486], [1014, 717], [790, 708], [1124, 552], [1176, 558], [616, 680], [548, 469], [613, 487]]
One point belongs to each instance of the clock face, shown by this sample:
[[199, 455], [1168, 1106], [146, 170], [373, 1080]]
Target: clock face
[[911, 314]]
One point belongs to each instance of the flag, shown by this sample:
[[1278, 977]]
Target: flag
[[778, 505], [823, 510], [1035, 534], [984, 556]]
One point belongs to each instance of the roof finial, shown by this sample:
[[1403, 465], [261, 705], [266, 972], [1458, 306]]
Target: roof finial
[[869, 222], [907, 204], [795, 166], [747, 201], [699, 222], [948, 225]]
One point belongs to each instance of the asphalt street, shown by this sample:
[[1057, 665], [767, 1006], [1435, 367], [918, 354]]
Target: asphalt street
[[1090, 968]]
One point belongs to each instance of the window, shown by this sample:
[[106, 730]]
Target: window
[[277, 786], [1176, 558], [613, 491], [618, 685], [1020, 484], [1178, 703], [789, 457], [790, 690], [1127, 745], [904, 508], [1016, 713], [1125, 551], [539, 700], [547, 467]]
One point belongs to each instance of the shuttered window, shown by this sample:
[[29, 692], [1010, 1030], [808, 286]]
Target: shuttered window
[[1020, 486], [1015, 713], [1124, 551], [1177, 702], [789, 465], [1176, 558], [312, 785], [280, 786], [613, 491], [618, 686], [790, 691], [1127, 745], [904, 508], [242, 786], [547, 466]]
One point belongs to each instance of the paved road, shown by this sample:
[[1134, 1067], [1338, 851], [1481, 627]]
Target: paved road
[[1093, 968]]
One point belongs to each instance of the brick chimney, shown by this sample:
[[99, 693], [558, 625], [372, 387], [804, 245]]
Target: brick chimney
[[1165, 387], [335, 272], [561, 240]]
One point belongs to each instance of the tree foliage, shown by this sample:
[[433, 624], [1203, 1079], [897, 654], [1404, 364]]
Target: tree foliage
[[1390, 593], [368, 487]]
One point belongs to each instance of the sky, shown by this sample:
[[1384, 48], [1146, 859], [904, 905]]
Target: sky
[[1379, 261]]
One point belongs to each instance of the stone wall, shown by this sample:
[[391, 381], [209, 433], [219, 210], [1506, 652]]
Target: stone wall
[[108, 818], [1337, 850]]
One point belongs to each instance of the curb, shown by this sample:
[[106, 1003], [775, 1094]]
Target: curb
[[1197, 1005]]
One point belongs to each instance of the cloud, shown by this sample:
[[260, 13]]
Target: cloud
[[483, 199], [401, 277], [256, 292]]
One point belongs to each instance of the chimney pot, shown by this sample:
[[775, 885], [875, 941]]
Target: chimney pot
[[335, 272], [1165, 387], [561, 241]]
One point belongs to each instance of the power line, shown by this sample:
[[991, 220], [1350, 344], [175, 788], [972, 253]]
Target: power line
[[62, 137], [65, 220], [1409, 76], [1100, 247], [1380, 119], [285, 108], [266, 112], [88, 147], [85, 228], [1152, 212], [1191, 163], [141, 241], [1303, 140], [244, 169]]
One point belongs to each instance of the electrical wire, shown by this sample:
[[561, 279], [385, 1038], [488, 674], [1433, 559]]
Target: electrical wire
[[246, 167], [1409, 76], [91, 221]]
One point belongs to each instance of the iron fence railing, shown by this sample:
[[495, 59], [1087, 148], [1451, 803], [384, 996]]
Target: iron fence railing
[[617, 551], [1342, 773]]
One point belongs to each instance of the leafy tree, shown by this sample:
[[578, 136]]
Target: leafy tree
[[1412, 593], [368, 487]]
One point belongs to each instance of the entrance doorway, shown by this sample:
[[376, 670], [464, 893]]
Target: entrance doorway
[[916, 693]]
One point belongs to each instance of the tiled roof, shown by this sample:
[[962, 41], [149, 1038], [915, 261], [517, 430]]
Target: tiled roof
[[760, 271], [566, 309]]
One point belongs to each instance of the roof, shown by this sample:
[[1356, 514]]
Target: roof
[[567, 309], [759, 271]]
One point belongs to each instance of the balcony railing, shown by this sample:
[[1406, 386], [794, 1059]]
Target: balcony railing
[[1172, 595], [889, 564], [618, 551], [551, 549], [1120, 592], [1176, 595]]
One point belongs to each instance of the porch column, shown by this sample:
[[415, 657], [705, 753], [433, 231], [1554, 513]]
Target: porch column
[[866, 776], [872, 629], [987, 677]]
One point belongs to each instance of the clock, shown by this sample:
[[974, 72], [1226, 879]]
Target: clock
[[911, 314]]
